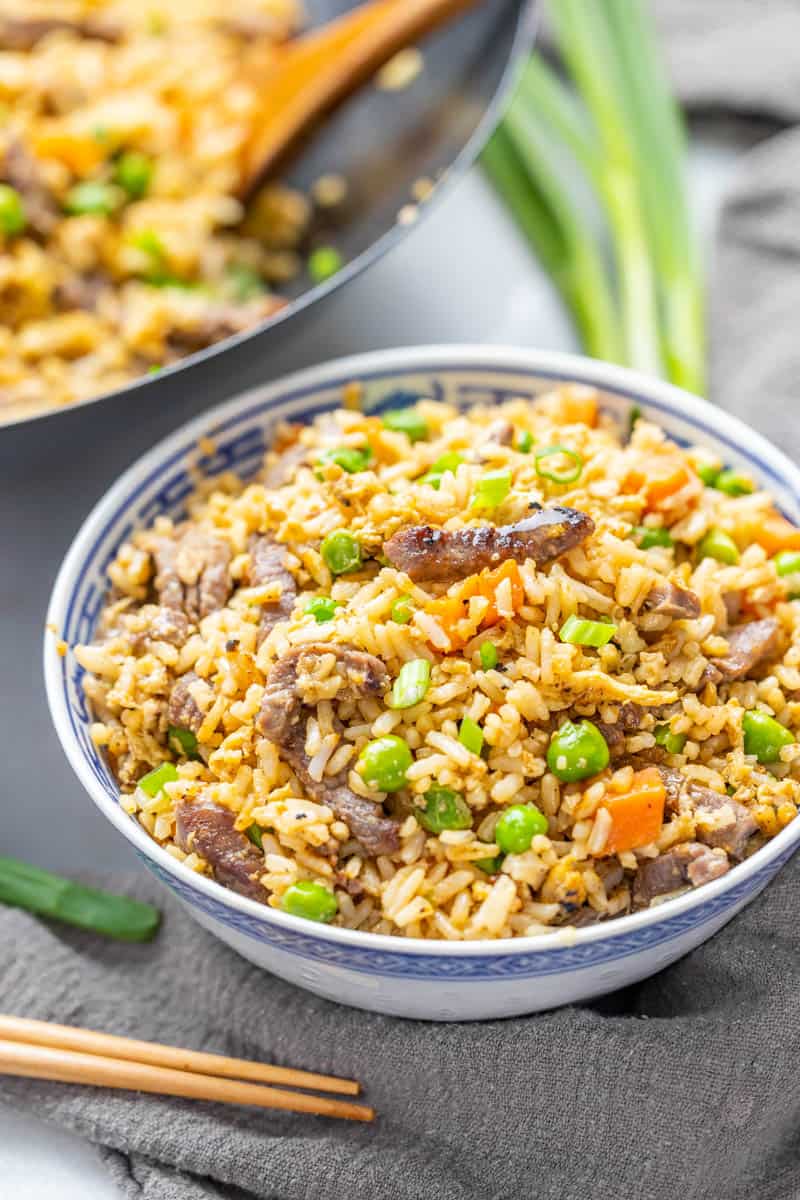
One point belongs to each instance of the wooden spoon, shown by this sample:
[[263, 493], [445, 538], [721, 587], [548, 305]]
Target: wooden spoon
[[315, 72]]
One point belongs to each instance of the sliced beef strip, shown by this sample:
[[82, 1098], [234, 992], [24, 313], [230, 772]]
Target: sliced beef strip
[[442, 555], [737, 825], [282, 465], [500, 432], [193, 572], [268, 565], [80, 292], [689, 863], [669, 600], [21, 170], [23, 33], [169, 625], [282, 720], [221, 321], [182, 709], [629, 719], [748, 646], [206, 829]]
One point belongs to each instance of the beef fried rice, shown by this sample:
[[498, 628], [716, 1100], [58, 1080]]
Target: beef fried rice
[[459, 675]]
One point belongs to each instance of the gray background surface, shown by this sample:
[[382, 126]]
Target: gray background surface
[[464, 275]]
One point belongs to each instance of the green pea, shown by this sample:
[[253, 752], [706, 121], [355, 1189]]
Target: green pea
[[350, 458], [341, 552], [518, 826], [324, 262], [764, 736], [673, 743], [707, 473], [310, 900], [733, 484], [444, 809], [577, 751], [787, 562], [402, 610], [383, 763], [12, 211], [488, 655], [408, 421], [323, 608], [647, 536], [92, 198], [133, 172], [245, 282], [719, 545]]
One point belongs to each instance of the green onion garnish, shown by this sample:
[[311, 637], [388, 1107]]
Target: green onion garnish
[[634, 415], [92, 198], [525, 442], [408, 421], [402, 610], [350, 458], [255, 834], [324, 262], [488, 655], [580, 632], [322, 608], [133, 172], [450, 461], [673, 743], [47, 895], [470, 735], [492, 489], [559, 472], [411, 684], [648, 536], [244, 281], [182, 741], [154, 780]]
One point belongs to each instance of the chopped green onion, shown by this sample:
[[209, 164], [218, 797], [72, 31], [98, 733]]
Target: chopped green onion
[[133, 172], [490, 866], [154, 368], [787, 562], [470, 735], [47, 895], [154, 780], [450, 461], [323, 608], [350, 458], [525, 442], [341, 552], [488, 655], [733, 484], [719, 545], [245, 281], [578, 631], [324, 262], [12, 211], [707, 473], [149, 243], [648, 536], [568, 472], [408, 421], [411, 684], [492, 489], [182, 741], [92, 198], [402, 610], [634, 415], [673, 743], [256, 835], [444, 809]]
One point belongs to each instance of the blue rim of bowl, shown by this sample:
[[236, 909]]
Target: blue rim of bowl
[[540, 954], [522, 43]]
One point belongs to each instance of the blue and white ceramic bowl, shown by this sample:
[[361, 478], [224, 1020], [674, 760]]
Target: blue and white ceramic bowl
[[405, 977]]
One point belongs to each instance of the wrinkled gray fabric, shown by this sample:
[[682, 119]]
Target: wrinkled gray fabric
[[685, 1086]]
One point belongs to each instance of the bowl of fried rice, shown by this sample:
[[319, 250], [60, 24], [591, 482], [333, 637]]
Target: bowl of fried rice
[[130, 248], [448, 682]]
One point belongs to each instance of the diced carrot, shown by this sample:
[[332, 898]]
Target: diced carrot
[[775, 533], [665, 476], [579, 407], [636, 815], [81, 152], [452, 611]]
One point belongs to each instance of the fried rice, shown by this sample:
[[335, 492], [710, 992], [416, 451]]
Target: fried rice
[[568, 652], [123, 244]]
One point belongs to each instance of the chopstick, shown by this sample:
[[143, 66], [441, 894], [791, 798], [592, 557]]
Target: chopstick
[[39, 1050]]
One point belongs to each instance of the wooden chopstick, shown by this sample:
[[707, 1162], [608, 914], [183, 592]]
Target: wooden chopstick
[[86, 1041], [68, 1066]]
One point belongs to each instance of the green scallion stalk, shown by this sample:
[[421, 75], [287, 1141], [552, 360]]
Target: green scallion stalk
[[578, 631], [47, 895], [470, 735], [411, 684]]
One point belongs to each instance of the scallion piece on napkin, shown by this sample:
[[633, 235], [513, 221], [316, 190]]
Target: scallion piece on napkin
[[47, 895]]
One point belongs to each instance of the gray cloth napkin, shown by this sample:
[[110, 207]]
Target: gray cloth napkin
[[684, 1086]]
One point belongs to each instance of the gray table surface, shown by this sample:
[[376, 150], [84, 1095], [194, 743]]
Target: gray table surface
[[464, 275]]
